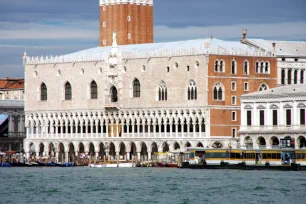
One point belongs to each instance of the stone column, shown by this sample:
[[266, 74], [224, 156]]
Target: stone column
[[56, 156], [138, 156], [133, 129], [117, 128], [66, 157], [149, 155], [11, 124], [106, 125], [200, 127], [128, 156], [138, 128], [112, 128], [62, 128], [91, 129], [143, 128], [102, 128], [86, 129], [127, 129], [159, 128], [154, 129], [176, 129], [194, 128], [96, 156], [97, 128], [122, 128]]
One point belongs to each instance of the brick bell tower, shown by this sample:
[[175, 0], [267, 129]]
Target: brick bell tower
[[132, 20]]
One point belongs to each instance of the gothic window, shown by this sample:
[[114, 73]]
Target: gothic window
[[215, 93], [302, 77], [162, 92], [93, 90], [218, 90], [262, 67], [283, 77], [257, 67], [114, 94], [267, 67], [136, 88], [221, 66], [192, 90], [263, 87], [289, 76], [233, 67], [68, 91], [246, 68], [216, 66], [43, 92]]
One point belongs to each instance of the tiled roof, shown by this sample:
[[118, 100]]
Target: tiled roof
[[283, 91], [10, 83], [282, 48]]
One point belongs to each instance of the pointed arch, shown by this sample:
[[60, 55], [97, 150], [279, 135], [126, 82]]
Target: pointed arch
[[93, 90], [43, 92], [114, 94], [283, 76], [234, 66], [216, 65], [68, 91], [246, 67], [136, 88], [192, 90], [218, 91], [162, 91]]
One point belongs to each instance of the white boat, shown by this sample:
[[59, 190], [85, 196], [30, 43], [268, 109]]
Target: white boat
[[120, 165]]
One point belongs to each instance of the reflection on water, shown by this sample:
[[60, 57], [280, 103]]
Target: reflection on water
[[149, 185]]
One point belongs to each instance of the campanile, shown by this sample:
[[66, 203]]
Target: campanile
[[132, 20]]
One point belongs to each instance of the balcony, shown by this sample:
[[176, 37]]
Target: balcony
[[109, 104]]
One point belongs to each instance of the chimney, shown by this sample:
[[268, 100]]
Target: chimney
[[273, 48], [244, 33]]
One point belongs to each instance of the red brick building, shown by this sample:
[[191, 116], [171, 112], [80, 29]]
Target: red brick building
[[131, 20]]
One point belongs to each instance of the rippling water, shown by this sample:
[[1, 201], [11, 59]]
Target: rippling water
[[149, 185]]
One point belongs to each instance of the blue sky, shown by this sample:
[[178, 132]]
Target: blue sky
[[45, 27]]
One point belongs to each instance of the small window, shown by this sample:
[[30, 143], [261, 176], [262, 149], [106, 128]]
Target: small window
[[104, 42], [261, 117], [104, 24], [168, 69], [43, 92], [233, 67], [233, 100], [234, 114], [234, 132], [68, 91], [143, 68], [246, 68], [136, 88], [233, 86], [283, 59], [246, 86], [249, 118], [302, 116], [288, 117], [129, 35], [104, 8], [188, 69], [176, 65], [93, 90], [296, 59], [129, 18], [275, 118]]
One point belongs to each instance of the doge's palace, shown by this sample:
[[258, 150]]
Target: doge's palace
[[138, 99]]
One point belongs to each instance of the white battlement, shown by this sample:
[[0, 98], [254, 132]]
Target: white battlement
[[137, 2]]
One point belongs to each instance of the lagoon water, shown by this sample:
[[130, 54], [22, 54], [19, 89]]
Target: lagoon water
[[149, 185]]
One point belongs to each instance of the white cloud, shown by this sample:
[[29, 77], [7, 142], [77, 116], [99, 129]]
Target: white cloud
[[54, 30], [282, 31], [89, 30]]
